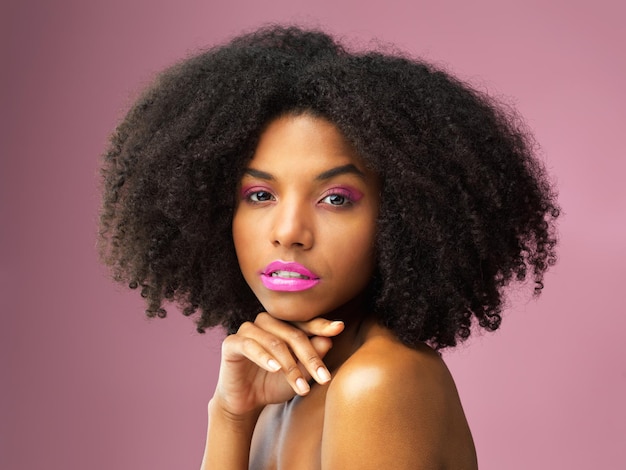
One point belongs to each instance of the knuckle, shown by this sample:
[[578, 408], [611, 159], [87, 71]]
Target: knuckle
[[262, 317], [292, 370], [227, 342], [231, 343], [245, 326], [314, 360], [297, 335], [277, 345], [247, 344]]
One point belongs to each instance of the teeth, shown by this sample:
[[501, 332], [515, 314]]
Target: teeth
[[289, 274]]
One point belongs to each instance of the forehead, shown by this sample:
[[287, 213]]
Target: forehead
[[304, 141]]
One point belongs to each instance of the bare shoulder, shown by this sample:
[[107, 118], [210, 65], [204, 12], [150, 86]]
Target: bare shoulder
[[385, 365], [385, 376], [391, 405]]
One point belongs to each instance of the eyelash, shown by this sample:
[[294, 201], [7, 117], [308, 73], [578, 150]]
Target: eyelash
[[252, 196], [254, 192], [343, 193]]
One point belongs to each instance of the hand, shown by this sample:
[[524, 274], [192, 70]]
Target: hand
[[270, 361]]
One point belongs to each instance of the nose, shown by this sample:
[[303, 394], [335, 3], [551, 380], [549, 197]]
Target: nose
[[293, 226]]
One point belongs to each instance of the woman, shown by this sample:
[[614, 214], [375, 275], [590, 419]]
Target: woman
[[344, 216]]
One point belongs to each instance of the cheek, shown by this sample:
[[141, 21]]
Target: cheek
[[358, 251]]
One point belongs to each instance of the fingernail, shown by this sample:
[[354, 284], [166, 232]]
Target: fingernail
[[303, 387], [273, 365], [336, 323], [323, 374]]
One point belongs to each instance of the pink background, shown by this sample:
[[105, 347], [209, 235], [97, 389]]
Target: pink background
[[88, 382]]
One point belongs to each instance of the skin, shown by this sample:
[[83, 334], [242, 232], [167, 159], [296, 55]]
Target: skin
[[315, 382], [315, 203]]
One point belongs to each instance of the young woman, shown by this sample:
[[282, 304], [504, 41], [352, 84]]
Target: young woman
[[344, 216]]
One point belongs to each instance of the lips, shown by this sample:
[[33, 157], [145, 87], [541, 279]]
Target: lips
[[288, 277]]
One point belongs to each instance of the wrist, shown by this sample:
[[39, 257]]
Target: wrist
[[218, 410], [229, 437]]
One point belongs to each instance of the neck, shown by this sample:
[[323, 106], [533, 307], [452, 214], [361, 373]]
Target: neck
[[357, 324]]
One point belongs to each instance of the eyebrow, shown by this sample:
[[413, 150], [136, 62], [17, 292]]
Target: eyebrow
[[259, 174], [326, 175], [340, 170]]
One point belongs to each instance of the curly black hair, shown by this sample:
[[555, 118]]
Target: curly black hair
[[466, 207]]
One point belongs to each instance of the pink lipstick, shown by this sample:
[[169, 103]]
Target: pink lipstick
[[288, 277]]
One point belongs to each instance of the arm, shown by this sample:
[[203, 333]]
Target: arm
[[266, 361], [396, 408], [228, 439]]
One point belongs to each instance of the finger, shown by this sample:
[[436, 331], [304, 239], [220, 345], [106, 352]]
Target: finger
[[280, 350], [234, 347], [298, 342], [321, 345], [320, 327]]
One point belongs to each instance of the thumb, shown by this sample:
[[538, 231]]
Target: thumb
[[321, 344]]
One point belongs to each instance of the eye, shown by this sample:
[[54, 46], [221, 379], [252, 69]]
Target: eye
[[259, 196], [335, 200], [339, 197], [256, 194]]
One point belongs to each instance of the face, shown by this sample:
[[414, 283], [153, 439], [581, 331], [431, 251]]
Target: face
[[305, 223]]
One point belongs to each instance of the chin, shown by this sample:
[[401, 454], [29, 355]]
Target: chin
[[304, 311], [292, 314]]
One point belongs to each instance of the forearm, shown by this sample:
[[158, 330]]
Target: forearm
[[228, 439]]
